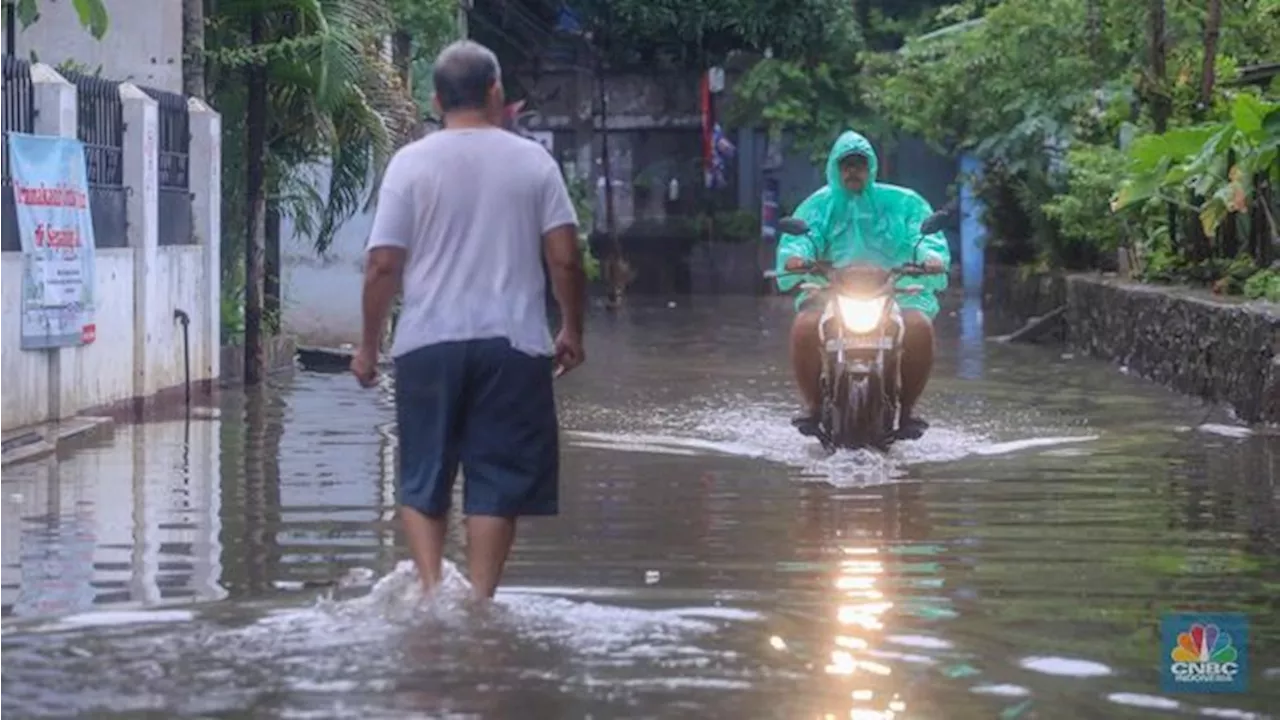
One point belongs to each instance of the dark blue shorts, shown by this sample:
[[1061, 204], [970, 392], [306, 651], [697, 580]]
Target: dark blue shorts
[[485, 406]]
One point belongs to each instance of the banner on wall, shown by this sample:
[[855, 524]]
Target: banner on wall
[[51, 197]]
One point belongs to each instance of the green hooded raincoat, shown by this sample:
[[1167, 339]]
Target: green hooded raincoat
[[879, 225]]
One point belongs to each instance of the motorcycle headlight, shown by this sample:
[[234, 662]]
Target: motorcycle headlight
[[861, 316]]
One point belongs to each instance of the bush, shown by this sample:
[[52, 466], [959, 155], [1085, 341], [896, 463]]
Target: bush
[[1087, 231], [735, 226], [1264, 284]]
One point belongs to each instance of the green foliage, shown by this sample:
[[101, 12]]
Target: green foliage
[[815, 91], [1220, 162], [733, 226], [1085, 224], [333, 98], [1022, 81], [1264, 284], [430, 25], [70, 65], [814, 96], [584, 205], [92, 15], [694, 34]]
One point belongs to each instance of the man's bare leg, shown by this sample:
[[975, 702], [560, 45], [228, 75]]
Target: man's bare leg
[[489, 540], [917, 364], [806, 364], [426, 543]]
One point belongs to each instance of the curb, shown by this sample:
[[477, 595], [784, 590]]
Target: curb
[[37, 441]]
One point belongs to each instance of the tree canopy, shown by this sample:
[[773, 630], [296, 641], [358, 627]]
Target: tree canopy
[[1063, 100]]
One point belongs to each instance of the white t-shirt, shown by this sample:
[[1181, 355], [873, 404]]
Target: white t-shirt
[[470, 208]]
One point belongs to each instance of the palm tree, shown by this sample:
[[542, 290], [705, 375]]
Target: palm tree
[[301, 82]]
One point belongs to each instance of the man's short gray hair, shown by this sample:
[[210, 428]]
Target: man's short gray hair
[[463, 74]]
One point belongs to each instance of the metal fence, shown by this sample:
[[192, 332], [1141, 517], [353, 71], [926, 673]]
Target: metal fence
[[176, 227], [100, 126], [19, 116]]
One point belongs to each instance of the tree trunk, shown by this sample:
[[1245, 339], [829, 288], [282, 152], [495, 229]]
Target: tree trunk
[[271, 274], [402, 58], [1159, 91], [1212, 29], [193, 48], [616, 267], [1093, 20], [255, 207], [863, 8]]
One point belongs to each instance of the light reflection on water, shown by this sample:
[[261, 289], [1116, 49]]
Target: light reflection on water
[[708, 562]]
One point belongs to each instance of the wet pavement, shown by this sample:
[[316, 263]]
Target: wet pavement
[[707, 562]]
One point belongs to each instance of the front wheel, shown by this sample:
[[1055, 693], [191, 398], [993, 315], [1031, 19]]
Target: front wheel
[[864, 416]]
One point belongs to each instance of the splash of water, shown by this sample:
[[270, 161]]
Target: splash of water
[[764, 431]]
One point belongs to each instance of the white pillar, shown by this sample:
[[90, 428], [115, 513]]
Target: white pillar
[[55, 102], [141, 175], [55, 105], [205, 173]]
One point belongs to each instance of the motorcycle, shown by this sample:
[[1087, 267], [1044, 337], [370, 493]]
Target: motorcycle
[[861, 332]]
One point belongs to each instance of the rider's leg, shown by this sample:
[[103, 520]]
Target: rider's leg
[[917, 364], [806, 363]]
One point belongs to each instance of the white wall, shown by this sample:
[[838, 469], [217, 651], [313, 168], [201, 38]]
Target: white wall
[[138, 349], [102, 372], [143, 44], [320, 296], [25, 398], [136, 519]]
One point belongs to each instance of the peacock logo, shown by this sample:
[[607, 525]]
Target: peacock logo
[[1204, 643]]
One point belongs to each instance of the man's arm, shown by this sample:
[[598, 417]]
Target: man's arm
[[934, 245], [385, 257], [802, 248], [568, 281], [933, 252], [559, 223], [383, 271]]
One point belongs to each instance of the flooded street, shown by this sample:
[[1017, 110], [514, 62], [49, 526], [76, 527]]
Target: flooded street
[[707, 562]]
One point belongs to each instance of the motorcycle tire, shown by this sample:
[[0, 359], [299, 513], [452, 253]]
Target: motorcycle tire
[[865, 416], [850, 429], [882, 415]]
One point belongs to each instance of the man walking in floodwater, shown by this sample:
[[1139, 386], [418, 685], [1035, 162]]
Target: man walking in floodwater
[[465, 217]]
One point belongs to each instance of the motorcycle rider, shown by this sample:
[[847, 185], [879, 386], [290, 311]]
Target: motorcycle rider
[[855, 219]]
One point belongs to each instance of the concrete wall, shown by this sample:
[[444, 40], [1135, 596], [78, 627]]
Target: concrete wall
[[1220, 349], [138, 350], [137, 519], [143, 44]]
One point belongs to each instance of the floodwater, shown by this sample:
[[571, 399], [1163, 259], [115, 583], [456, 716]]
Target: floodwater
[[707, 562]]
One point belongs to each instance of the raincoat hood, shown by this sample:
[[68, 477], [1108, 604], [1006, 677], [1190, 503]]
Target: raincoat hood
[[850, 143]]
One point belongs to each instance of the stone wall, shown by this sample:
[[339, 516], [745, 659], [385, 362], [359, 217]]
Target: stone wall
[[1215, 348], [1019, 295], [1220, 349]]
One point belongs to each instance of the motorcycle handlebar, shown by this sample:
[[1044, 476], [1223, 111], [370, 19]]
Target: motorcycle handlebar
[[907, 270]]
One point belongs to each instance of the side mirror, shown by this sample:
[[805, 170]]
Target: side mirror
[[938, 220], [793, 226], [933, 223]]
